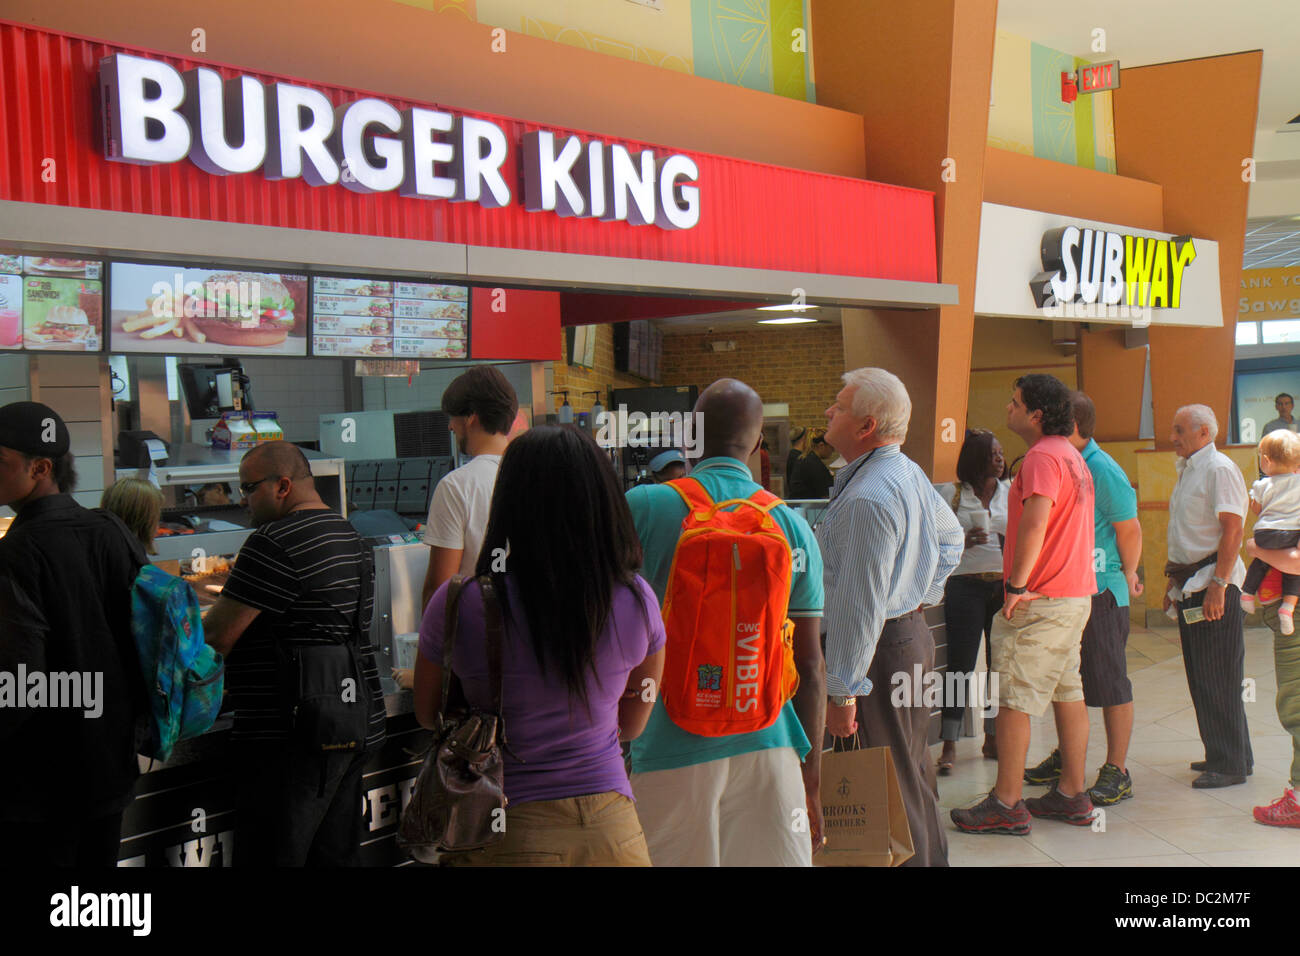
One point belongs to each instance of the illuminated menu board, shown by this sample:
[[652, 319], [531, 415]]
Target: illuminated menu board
[[51, 305], [172, 310], [370, 318]]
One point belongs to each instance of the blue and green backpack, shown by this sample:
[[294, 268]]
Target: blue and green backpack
[[183, 676]]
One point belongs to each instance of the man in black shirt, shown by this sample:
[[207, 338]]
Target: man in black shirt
[[71, 692], [304, 579]]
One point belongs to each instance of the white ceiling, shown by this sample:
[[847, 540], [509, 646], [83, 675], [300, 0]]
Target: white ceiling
[[1272, 243], [741, 321]]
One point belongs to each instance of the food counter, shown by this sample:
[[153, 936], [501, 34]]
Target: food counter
[[184, 809], [220, 529]]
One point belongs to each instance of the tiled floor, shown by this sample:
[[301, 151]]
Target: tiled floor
[[1166, 823]]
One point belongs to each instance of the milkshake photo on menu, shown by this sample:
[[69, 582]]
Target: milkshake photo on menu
[[11, 311]]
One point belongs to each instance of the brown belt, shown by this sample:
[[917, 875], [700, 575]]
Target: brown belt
[[1182, 572], [983, 575]]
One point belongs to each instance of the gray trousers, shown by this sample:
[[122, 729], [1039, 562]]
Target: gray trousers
[[905, 642]]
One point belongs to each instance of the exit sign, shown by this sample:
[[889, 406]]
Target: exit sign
[[1099, 76]]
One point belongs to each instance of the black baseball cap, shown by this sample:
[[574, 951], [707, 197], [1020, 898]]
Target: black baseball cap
[[33, 429]]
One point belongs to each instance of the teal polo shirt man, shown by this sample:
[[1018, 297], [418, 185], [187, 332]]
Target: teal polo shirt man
[[722, 800], [1103, 664], [1116, 503]]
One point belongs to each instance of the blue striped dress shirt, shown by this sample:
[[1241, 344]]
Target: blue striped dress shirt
[[888, 543]]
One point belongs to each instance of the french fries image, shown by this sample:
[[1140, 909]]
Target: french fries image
[[168, 324], [151, 325], [144, 319], [192, 331]]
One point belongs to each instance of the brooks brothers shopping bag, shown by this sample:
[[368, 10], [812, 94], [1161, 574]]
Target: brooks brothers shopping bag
[[865, 823]]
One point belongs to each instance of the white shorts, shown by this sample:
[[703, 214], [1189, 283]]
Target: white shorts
[[747, 810]]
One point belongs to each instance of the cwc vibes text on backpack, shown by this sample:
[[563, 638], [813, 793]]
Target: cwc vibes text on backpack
[[57, 690]]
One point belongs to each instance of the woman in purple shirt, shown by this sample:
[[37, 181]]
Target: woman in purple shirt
[[582, 653]]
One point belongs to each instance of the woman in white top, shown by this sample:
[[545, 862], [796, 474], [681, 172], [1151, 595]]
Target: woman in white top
[[974, 591]]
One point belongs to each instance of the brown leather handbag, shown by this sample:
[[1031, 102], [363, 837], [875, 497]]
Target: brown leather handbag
[[459, 799]]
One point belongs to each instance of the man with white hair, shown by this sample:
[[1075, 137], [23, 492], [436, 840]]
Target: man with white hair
[[1206, 514], [888, 542]]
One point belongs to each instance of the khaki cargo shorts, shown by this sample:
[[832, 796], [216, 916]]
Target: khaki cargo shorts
[[1036, 653]]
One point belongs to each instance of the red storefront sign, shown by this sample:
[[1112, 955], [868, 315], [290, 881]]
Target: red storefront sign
[[752, 215]]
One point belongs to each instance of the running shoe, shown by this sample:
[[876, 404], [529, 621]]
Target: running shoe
[[1046, 772], [990, 816], [1076, 810], [1282, 812], [1112, 786]]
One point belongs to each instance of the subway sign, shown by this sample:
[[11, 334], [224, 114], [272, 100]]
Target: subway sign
[[153, 114], [1111, 268]]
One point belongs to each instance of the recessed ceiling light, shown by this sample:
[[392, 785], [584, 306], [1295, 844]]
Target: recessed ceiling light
[[789, 320], [787, 308]]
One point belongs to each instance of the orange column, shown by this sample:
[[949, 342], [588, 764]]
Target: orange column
[[919, 74], [1189, 126], [1113, 377]]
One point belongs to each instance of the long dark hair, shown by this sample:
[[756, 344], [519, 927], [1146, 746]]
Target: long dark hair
[[558, 508]]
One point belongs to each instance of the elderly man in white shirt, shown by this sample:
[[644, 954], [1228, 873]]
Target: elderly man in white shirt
[[1206, 516]]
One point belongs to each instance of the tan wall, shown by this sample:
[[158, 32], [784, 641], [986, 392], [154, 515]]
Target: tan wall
[[1188, 126], [1011, 179], [1157, 476], [400, 50], [799, 366]]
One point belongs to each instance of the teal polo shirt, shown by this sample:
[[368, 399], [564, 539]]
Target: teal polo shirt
[[1116, 501], [658, 512]]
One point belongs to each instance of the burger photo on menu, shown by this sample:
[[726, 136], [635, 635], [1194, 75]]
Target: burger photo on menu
[[362, 287], [353, 346], [189, 311], [62, 315], [227, 314], [352, 305], [426, 290]]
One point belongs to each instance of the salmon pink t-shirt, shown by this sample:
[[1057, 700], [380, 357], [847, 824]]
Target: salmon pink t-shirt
[[1064, 568]]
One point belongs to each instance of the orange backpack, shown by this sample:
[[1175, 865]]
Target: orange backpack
[[729, 661]]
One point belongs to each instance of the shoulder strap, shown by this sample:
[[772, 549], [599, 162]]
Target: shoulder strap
[[765, 499], [693, 493], [492, 618], [454, 588]]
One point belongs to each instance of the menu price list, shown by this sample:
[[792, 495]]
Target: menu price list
[[365, 318]]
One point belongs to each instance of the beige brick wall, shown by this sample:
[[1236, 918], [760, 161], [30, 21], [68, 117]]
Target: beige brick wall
[[578, 379], [799, 366]]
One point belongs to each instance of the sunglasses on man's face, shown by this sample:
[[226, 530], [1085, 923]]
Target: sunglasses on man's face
[[246, 487]]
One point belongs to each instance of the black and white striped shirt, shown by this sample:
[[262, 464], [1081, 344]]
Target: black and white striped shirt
[[307, 573]]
